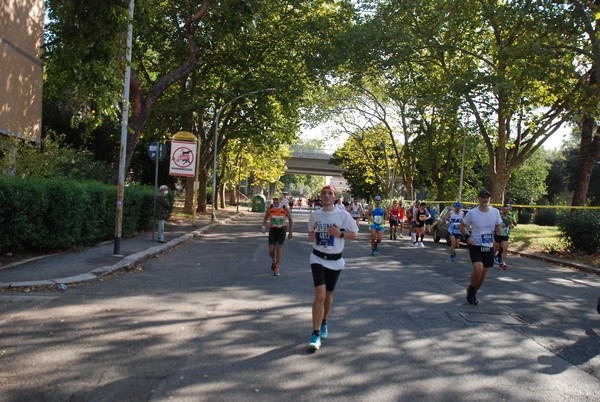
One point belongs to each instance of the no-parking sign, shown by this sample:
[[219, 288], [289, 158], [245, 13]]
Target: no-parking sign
[[183, 154]]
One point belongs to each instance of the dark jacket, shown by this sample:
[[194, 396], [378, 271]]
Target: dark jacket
[[162, 207]]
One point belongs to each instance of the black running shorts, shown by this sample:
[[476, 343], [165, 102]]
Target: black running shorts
[[484, 255], [500, 239], [276, 235], [324, 276]]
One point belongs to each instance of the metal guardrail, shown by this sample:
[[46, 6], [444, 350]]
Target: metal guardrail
[[312, 153]]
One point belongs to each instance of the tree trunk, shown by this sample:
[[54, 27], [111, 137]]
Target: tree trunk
[[497, 185], [222, 197], [589, 153], [189, 194], [202, 191]]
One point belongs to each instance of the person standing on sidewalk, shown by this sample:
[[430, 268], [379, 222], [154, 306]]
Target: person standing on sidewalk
[[501, 241], [376, 216], [161, 213], [328, 228], [484, 222], [453, 219], [276, 214]]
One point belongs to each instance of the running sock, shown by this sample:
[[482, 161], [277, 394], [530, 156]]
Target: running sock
[[316, 332], [422, 236], [323, 322]]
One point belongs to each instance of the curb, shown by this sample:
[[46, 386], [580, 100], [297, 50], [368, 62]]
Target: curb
[[122, 265], [575, 265]]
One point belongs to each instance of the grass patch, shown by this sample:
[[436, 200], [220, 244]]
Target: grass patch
[[534, 238], [529, 238]]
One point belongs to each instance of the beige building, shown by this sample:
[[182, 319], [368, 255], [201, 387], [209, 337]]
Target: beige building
[[341, 185], [21, 70]]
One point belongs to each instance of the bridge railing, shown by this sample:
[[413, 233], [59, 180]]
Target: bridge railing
[[312, 153]]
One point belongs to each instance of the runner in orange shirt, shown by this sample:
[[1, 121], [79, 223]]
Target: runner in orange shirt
[[277, 214]]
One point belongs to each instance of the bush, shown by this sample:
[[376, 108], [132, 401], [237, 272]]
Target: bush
[[546, 217], [524, 216], [580, 231], [57, 214]]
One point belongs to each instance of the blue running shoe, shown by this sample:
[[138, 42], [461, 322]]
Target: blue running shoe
[[498, 260], [315, 342], [452, 257], [372, 252], [323, 331]]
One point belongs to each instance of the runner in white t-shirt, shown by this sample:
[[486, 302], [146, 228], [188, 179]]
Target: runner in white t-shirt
[[356, 210], [484, 222], [328, 228]]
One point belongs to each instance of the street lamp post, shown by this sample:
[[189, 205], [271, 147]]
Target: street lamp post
[[213, 215]]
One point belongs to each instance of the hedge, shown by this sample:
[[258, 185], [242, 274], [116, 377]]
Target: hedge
[[580, 230], [51, 214]]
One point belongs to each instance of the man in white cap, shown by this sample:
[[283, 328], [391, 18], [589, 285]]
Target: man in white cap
[[161, 213]]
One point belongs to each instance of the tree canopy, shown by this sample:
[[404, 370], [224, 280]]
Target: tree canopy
[[419, 77]]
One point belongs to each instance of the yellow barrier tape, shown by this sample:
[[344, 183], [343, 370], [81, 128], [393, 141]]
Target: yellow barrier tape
[[536, 206], [512, 205]]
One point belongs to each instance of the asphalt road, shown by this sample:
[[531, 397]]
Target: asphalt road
[[208, 322]]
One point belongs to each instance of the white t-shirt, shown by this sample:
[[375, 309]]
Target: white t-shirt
[[454, 220], [320, 221], [483, 225]]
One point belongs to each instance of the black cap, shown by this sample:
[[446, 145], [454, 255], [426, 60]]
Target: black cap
[[483, 193]]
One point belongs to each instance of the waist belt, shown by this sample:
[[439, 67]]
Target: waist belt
[[325, 256]]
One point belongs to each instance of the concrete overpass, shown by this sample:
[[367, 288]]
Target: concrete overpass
[[311, 162]]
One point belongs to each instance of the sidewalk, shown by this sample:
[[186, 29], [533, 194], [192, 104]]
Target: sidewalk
[[63, 269]]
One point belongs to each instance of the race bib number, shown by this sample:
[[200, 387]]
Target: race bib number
[[394, 217], [377, 219], [505, 231], [355, 214], [454, 227], [322, 236], [422, 217], [277, 221], [487, 240]]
